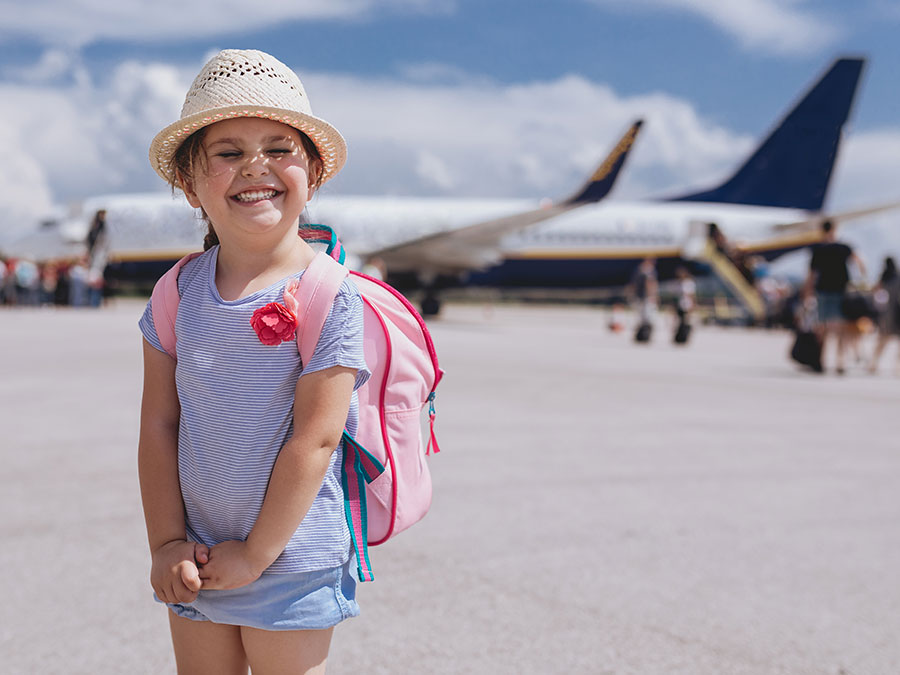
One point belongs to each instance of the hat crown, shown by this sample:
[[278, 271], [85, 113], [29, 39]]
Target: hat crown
[[245, 77]]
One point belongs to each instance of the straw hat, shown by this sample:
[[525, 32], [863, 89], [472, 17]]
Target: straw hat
[[247, 83]]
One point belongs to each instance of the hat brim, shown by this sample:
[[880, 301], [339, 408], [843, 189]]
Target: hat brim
[[329, 142]]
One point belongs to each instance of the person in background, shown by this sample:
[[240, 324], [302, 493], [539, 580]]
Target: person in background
[[375, 268], [61, 296], [97, 252], [49, 280], [96, 236], [887, 300], [78, 283], [643, 294], [685, 304], [828, 278], [95, 283], [28, 283], [8, 289], [3, 275]]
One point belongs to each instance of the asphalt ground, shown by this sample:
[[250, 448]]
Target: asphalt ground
[[599, 506]]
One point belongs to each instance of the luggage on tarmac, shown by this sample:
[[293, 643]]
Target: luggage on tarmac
[[644, 330], [682, 333], [807, 350]]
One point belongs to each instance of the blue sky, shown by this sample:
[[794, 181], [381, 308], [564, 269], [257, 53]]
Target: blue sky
[[451, 97]]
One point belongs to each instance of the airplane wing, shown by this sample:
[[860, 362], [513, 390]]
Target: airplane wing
[[815, 222], [476, 246], [472, 247]]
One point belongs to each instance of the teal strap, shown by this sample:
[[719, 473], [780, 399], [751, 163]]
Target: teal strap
[[358, 468], [314, 233]]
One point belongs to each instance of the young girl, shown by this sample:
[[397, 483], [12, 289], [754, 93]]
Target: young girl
[[240, 452]]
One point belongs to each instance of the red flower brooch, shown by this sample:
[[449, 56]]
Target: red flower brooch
[[276, 323]]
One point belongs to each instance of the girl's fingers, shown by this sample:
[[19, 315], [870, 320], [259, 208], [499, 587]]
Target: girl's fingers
[[184, 593], [206, 577], [201, 553], [190, 577], [168, 594]]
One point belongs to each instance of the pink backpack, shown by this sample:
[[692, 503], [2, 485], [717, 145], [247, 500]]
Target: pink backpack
[[387, 485]]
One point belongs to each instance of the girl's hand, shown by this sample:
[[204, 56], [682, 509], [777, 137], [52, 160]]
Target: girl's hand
[[174, 573], [230, 565]]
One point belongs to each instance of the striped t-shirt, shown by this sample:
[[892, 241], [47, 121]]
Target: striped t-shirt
[[237, 400]]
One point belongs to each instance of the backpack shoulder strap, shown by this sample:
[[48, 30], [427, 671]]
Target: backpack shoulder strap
[[315, 295], [164, 304]]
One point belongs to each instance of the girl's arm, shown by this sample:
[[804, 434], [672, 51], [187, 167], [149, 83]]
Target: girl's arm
[[174, 574], [321, 403]]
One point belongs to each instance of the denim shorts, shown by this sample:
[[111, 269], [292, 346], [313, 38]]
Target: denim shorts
[[296, 601], [829, 306]]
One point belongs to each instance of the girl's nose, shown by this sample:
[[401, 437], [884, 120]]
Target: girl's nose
[[257, 164]]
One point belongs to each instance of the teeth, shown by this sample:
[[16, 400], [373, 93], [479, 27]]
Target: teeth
[[255, 195]]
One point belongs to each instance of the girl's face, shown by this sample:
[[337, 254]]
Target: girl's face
[[255, 177]]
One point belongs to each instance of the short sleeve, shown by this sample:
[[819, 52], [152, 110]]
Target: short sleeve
[[341, 341], [187, 275], [148, 328], [814, 259]]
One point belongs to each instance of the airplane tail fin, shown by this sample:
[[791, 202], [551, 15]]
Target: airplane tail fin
[[603, 179], [792, 167]]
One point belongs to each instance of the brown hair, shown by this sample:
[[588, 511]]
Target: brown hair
[[190, 154]]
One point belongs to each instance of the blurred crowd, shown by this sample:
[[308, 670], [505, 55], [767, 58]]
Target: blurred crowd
[[835, 310], [72, 283]]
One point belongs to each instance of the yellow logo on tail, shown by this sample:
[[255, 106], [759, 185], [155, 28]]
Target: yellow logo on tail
[[620, 149]]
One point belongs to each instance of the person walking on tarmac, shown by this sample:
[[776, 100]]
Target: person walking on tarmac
[[887, 298], [828, 278], [684, 308], [643, 292]]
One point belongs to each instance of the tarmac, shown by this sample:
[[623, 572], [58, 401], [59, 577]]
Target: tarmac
[[599, 506]]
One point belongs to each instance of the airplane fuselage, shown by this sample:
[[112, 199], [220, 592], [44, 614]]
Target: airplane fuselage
[[594, 245], [601, 245]]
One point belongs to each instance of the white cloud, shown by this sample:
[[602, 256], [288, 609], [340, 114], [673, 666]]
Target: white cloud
[[53, 64], [432, 169], [779, 27], [66, 141], [26, 194], [533, 140], [79, 22]]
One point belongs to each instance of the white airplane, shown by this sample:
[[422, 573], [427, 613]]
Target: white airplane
[[771, 205]]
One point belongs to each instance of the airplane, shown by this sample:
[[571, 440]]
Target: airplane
[[771, 205], [148, 232]]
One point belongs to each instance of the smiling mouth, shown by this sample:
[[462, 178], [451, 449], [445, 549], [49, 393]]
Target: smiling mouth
[[255, 196]]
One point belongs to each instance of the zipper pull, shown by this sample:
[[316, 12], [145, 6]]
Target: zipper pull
[[432, 440]]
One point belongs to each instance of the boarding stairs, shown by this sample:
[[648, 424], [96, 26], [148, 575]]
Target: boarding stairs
[[701, 248]]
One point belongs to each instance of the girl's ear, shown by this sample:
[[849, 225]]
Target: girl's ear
[[316, 168], [187, 188]]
